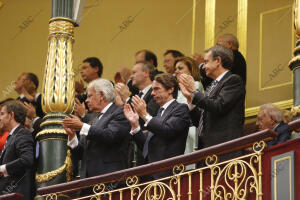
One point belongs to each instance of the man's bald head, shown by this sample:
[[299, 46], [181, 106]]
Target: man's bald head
[[229, 41]]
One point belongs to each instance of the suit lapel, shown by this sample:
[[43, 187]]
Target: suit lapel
[[220, 84], [104, 118], [169, 109], [147, 95]]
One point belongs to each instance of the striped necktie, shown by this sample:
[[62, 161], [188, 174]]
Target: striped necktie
[[207, 93]]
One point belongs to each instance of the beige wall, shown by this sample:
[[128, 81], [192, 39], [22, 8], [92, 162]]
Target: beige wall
[[159, 25]]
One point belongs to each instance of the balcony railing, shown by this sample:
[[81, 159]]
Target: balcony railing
[[237, 178]]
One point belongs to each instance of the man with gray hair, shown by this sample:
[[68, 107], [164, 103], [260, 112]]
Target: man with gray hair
[[271, 117], [103, 143], [218, 112]]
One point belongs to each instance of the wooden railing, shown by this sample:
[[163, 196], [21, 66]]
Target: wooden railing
[[12, 196]]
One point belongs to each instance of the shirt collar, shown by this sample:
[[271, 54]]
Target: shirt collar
[[36, 96], [12, 130], [276, 126], [106, 108], [221, 76], [146, 89], [166, 105]]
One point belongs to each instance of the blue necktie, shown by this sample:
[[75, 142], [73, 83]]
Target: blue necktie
[[149, 135]]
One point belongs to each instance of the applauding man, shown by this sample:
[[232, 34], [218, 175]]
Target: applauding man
[[103, 144], [166, 133], [217, 112]]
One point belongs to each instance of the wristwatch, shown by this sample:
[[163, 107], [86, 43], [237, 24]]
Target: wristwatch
[[148, 117]]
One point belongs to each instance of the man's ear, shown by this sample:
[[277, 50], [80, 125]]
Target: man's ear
[[147, 71], [218, 59], [102, 96], [230, 44], [96, 69], [12, 114], [171, 90]]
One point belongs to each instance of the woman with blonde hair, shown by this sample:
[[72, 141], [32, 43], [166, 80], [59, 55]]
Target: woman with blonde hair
[[187, 65]]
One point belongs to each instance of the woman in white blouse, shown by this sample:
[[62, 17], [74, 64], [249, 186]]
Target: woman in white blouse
[[187, 65]]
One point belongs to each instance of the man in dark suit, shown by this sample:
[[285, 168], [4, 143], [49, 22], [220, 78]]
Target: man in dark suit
[[218, 112], [141, 79], [103, 145], [271, 117], [16, 157], [239, 62], [144, 55], [167, 132], [91, 69], [26, 86]]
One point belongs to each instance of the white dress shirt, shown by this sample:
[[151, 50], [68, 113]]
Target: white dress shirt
[[165, 106], [3, 167], [85, 129]]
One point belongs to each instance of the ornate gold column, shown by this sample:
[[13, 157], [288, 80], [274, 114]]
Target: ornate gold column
[[54, 162], [294, 65]]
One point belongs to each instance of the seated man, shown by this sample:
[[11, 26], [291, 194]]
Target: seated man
[[271, 117], [103, 144], [167, 132]]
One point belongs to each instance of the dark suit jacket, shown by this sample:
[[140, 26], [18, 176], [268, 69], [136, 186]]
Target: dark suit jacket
[[169, 134], [239, 65], [223, 111], [37, 104], [134, 90], [284, 134], [18, 157], [135, 154], [104, 149]]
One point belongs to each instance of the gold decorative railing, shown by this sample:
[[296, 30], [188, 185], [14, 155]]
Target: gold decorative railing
[[237, 178], [245, 177]]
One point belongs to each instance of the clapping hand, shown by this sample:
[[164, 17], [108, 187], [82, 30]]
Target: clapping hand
[[73, 123], [70, 132], [198, 58], [139, 106], [123, 91], [131, 116], [187, 86], [79, 108]]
